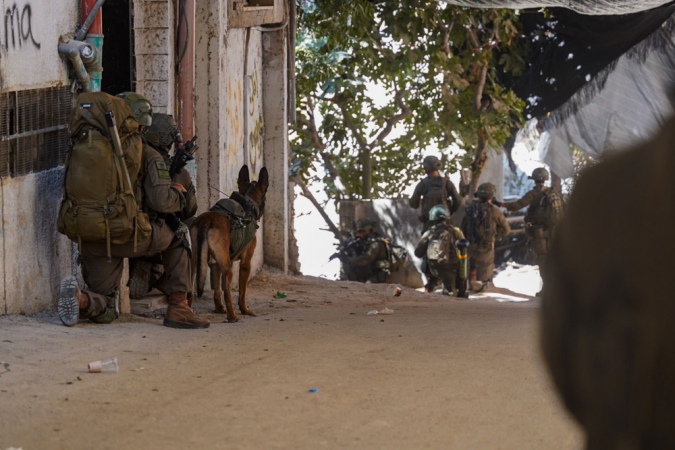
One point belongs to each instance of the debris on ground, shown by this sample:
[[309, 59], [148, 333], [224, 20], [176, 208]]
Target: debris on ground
[[313, 390], [372, 313], [109, 366], [280, 294], [393, 291], [387, 312]]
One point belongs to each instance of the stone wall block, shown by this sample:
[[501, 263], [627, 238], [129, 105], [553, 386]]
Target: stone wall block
[[152, 67], [152, 41], [152, 14], [155, 91]]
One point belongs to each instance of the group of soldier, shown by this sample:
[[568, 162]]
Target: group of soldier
[[460, 258], [159, 258]]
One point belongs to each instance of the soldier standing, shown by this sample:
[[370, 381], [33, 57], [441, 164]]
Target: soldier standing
[[152, 189], [161, 136], [373, 263], [481, 225], [439, 246], [544, 212], [431, 191]]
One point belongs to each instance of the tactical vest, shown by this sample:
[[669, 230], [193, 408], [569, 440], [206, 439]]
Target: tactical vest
[[480, 231], [243, 226]]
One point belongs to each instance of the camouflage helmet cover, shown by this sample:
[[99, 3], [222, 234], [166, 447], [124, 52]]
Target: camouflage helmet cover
[[431, 163], [539, 174], [140, 106], [366, 224], [486, 191], [439, 212], [163, 132]]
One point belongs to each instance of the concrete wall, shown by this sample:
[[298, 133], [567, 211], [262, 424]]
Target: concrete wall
[[29, 37], [155, 52], [33, 256], [275, 104], [397, 221]]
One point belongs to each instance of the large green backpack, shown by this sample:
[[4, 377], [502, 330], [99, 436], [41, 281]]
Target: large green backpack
[[479, 230], [550, 210], [102, 199]]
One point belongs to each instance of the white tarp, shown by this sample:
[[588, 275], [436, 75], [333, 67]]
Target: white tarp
[[633, 105], [595, 7]]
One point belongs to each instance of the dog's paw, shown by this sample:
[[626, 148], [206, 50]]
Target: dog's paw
[[232, 319], [248, 312], [220, 310]]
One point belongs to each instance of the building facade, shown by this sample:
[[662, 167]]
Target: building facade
[[219, 66]]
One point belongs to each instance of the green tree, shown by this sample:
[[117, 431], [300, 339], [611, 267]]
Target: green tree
[[421, 68]]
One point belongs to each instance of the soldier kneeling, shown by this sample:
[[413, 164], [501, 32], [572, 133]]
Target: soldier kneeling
[[116, 191]]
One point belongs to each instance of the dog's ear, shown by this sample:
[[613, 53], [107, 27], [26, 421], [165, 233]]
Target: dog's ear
[[263, 178], [244, 179]]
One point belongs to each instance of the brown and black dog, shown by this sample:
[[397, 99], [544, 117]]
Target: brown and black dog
[[210, 234]]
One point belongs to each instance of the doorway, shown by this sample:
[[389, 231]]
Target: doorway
[[119, 71]]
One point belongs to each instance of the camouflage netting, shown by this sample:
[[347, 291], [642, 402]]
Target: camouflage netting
[[595, 7]]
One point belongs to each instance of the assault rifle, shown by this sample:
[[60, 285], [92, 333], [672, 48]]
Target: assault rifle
[[350, 248], [184, 154]]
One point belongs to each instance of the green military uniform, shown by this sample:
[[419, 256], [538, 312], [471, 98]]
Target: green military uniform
[[538, 233], [372, 265], [103, 277], [161, 136], [447, 271], [482, 233], [607, 313], [426, 196]]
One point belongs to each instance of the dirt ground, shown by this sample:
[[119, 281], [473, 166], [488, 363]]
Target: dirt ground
[[439, 373]]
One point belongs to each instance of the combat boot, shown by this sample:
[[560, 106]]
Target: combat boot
[[71, 301], [180, 315]]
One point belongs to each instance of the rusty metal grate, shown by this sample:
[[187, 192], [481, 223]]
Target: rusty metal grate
[[33, 130]]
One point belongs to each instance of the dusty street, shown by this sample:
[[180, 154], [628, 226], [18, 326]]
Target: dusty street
[[439, 373]]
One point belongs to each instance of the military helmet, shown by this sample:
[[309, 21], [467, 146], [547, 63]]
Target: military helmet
[[366, 224], [140, 106], [486, 191], [539, 174], [439, 212], [431, 164], [163, 132]]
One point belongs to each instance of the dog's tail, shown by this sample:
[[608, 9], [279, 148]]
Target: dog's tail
[[202, 257]]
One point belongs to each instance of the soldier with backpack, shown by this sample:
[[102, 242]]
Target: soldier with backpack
[[431, 191], [545, 211], [481, 225], [439, 244], [115, 191], [162, 136]]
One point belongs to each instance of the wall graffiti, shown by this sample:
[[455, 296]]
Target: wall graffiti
[[19, 28], [254, 91], [255, 140]]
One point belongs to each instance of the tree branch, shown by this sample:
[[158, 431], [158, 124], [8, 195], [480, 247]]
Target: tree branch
[[405, 112], [478, 96], [349, 120], [308, 194], [314, 133]]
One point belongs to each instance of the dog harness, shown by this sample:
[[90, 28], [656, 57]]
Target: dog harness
[[243, 215]]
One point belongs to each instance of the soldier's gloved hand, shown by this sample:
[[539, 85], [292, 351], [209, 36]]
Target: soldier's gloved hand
[[172, 221], [497, 203]]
